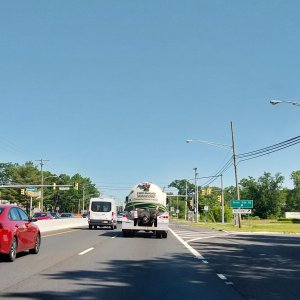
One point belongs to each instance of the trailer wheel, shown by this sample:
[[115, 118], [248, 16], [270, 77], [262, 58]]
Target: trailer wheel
[[164, 234], [125, 233]]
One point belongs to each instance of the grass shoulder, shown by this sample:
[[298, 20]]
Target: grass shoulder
[[278, 226]]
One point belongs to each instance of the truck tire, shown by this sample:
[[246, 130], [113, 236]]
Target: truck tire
[[164, 234], [158, 234]]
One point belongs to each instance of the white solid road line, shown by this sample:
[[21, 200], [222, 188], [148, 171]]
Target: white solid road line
[[191, 249], [85, 251]]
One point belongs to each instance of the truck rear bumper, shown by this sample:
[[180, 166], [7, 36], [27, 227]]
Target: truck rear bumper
[[129, 225]]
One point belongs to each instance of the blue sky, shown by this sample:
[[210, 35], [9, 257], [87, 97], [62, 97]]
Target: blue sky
[[112, 89]]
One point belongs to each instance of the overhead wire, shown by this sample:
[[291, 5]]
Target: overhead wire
[[228, 164], [254, 154], [269, 149]]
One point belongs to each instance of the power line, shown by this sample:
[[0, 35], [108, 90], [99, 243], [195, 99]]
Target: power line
[[270, 149]]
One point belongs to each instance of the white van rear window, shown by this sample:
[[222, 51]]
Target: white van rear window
[[101, 206]]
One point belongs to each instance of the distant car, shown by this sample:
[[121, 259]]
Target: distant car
[[120, 217], [85, 215], [55, 215], [66, 215], [17, 232], [43, 216]]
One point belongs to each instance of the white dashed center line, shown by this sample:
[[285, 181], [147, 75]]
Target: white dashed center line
[[85, 251]]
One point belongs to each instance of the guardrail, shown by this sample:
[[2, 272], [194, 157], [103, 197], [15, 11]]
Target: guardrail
[[56, 224]]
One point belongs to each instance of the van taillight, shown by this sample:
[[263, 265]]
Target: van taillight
[[125, 215]]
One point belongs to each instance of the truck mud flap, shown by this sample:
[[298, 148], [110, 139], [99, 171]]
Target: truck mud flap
[[161, 234]]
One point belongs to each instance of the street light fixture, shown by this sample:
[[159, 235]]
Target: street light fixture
[[232, 148], [275, 102], [210, 143]]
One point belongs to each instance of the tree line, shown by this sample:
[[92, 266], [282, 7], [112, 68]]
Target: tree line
[[71, 200], [270, 198]]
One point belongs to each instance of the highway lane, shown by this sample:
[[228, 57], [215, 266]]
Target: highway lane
[[101, 264], [259, 266]]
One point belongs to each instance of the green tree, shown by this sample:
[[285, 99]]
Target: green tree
[[295, 176], [266, 193], [293, 196], [29, 174], [182, 186]]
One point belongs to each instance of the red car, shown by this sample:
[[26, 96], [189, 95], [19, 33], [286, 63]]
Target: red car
[[43, 216], [17, 232]]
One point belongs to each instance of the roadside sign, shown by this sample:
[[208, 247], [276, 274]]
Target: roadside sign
[[64, 188], [241, 203], [205, 208], [31, 189], [242, 211], [34, 194]]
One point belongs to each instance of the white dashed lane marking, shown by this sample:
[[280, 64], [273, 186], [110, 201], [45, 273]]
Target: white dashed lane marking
[[85, 251]]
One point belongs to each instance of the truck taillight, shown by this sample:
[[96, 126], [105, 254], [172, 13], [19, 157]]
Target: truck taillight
[[165, 217], [125, 215]]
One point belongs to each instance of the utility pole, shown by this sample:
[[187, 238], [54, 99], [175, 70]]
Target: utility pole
[[42, 182], [235, 172]]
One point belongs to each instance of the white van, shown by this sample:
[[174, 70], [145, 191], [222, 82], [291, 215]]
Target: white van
[[102, 212]]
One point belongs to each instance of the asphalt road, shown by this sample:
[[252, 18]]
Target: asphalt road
[[102, 264], [258, 266], [192, 263]]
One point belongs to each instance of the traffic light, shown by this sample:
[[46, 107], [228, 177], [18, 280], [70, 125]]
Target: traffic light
[[203, 192], [22, 191], [54, 186], [208, 191], [219, 198], [76, 186]]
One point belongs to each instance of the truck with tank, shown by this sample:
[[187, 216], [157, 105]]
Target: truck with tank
[[146, 210]]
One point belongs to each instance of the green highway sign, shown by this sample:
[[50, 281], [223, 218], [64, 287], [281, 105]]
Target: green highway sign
[[241, 203]]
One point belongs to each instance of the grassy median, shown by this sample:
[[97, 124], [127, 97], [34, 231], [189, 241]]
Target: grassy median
[[249, 225]]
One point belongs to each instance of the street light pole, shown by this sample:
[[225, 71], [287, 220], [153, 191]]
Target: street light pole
[[42, 187], [196, 197], [222, 198]]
